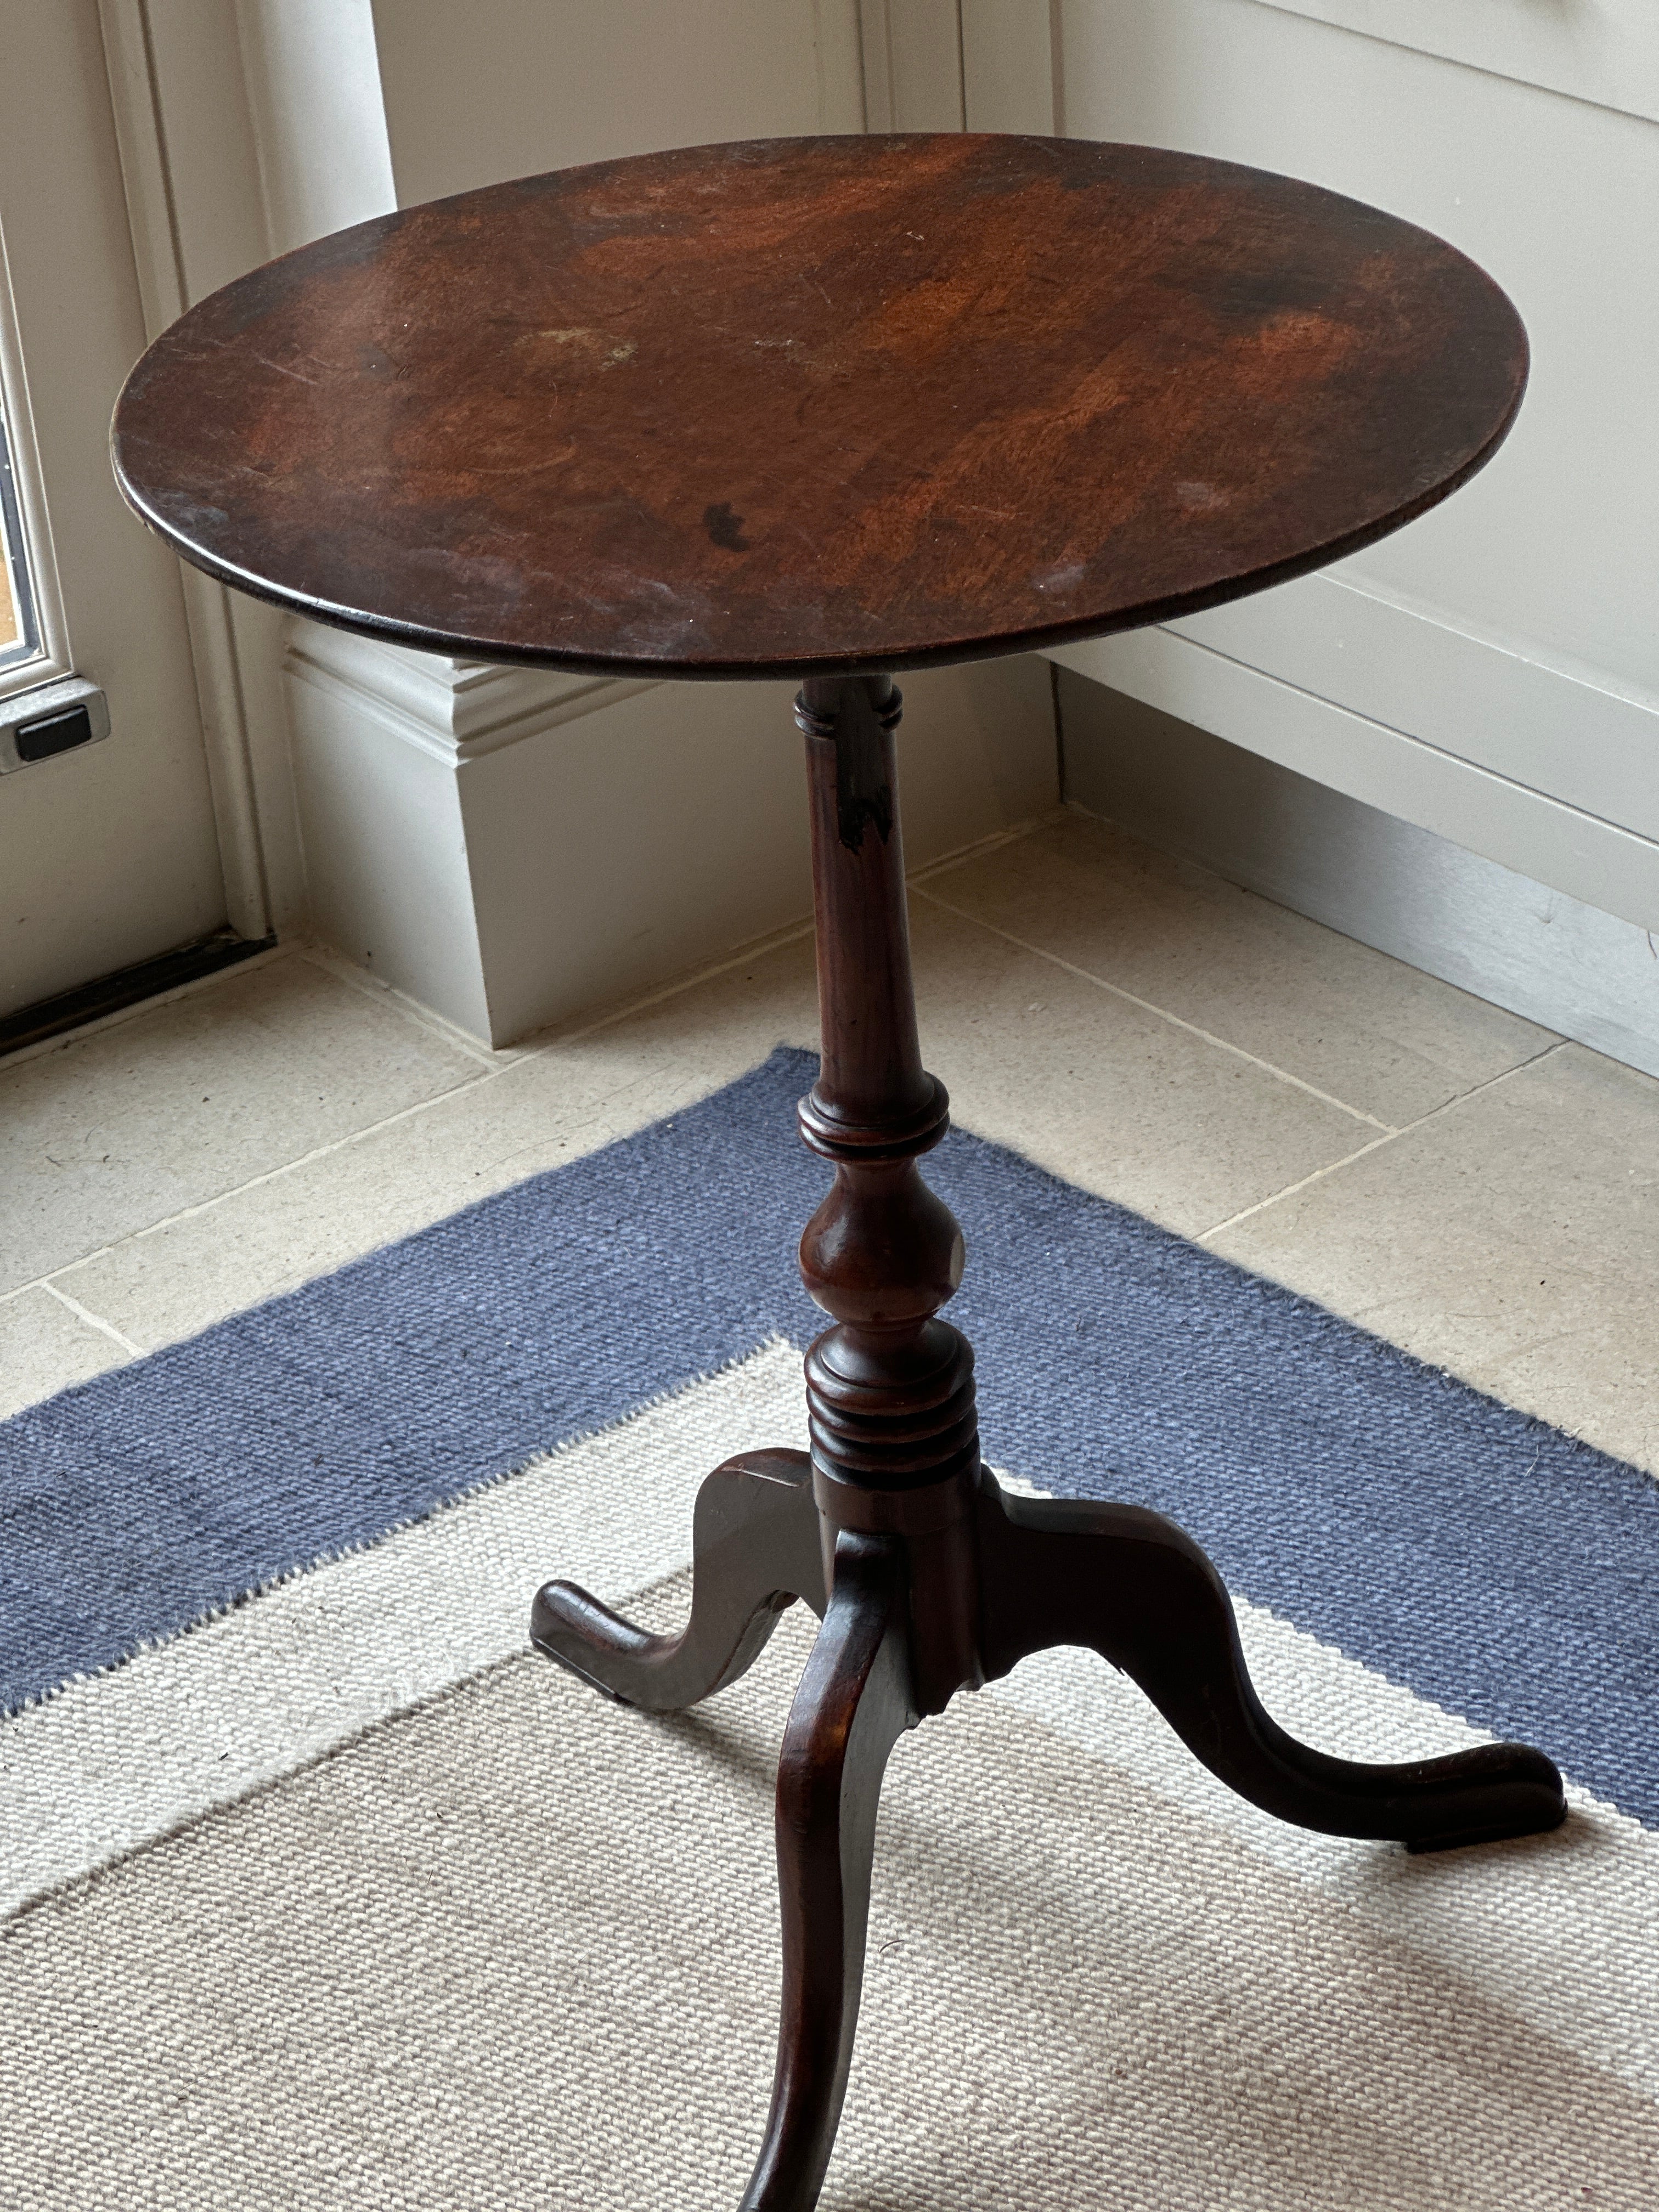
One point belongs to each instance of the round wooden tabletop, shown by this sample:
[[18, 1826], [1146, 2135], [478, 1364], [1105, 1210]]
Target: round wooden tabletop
[[808, 405]]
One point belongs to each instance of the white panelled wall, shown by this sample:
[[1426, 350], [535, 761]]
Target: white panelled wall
[[1491, 675], [1507, 641], [509, 847]]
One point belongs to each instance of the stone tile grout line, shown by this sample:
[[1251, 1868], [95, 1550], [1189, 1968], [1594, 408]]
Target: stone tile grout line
[[497, 1066], [106, 1328], [489, 1074], [92, 1320], [1147, 1005], [397, 1002], [493, 1064], [1377, 1144], [613, 1015], [49, 1281]]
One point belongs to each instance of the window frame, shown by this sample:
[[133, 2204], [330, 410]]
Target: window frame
[[41, 654]]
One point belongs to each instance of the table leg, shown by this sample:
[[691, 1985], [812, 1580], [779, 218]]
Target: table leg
[[930, 1578], [854, 1703], [756, 1547], [1134, 1587]]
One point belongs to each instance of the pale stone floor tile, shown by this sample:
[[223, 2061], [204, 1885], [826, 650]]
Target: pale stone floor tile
[[127, 1126], [1510, 1239], [1115, 1099], [1109, 1096], [541, 1110], [1361, 1027], [44, 1347], [1514, 1239]]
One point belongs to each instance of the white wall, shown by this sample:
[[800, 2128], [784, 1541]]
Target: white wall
[[511, 847], [1492, 672], [1602, 51], [478, 92], [319, 132], [191, 174]]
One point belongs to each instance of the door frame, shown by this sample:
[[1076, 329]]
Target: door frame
[[132, 39]]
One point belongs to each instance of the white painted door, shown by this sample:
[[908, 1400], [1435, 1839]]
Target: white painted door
[[108, 854]]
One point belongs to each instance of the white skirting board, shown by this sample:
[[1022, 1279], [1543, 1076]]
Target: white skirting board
[[1391, 884], [510, 847]]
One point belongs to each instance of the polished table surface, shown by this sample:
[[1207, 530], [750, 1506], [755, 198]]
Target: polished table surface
[[813, 406]]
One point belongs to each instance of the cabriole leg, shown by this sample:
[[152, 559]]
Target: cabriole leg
[[1131, 1585], [853, 1705], [755, 1549]]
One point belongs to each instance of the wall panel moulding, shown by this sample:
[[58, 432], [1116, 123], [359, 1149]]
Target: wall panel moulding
[[1606, 51], [1517, 761]]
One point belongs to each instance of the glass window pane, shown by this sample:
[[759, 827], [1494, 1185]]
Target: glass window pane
[[19, 637]]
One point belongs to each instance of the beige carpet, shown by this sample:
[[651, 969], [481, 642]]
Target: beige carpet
[[517, 1948]]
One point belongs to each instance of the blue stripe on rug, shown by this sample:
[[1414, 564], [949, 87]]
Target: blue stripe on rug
[[1476, 1556]]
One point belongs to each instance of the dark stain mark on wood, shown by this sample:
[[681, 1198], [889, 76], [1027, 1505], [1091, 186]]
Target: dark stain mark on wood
[[862, 726], [724, 527]]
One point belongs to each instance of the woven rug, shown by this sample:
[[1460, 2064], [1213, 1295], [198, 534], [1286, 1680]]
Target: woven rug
[[319, 1890]]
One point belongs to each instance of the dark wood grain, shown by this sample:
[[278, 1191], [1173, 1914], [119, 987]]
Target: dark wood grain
[[1134, 1587], [853, 1705], [819, 404], [830, 407], [756, 1546], [937, 1580], [889, 1388]]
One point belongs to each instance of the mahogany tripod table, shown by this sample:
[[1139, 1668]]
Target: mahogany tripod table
[[827, 409]]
